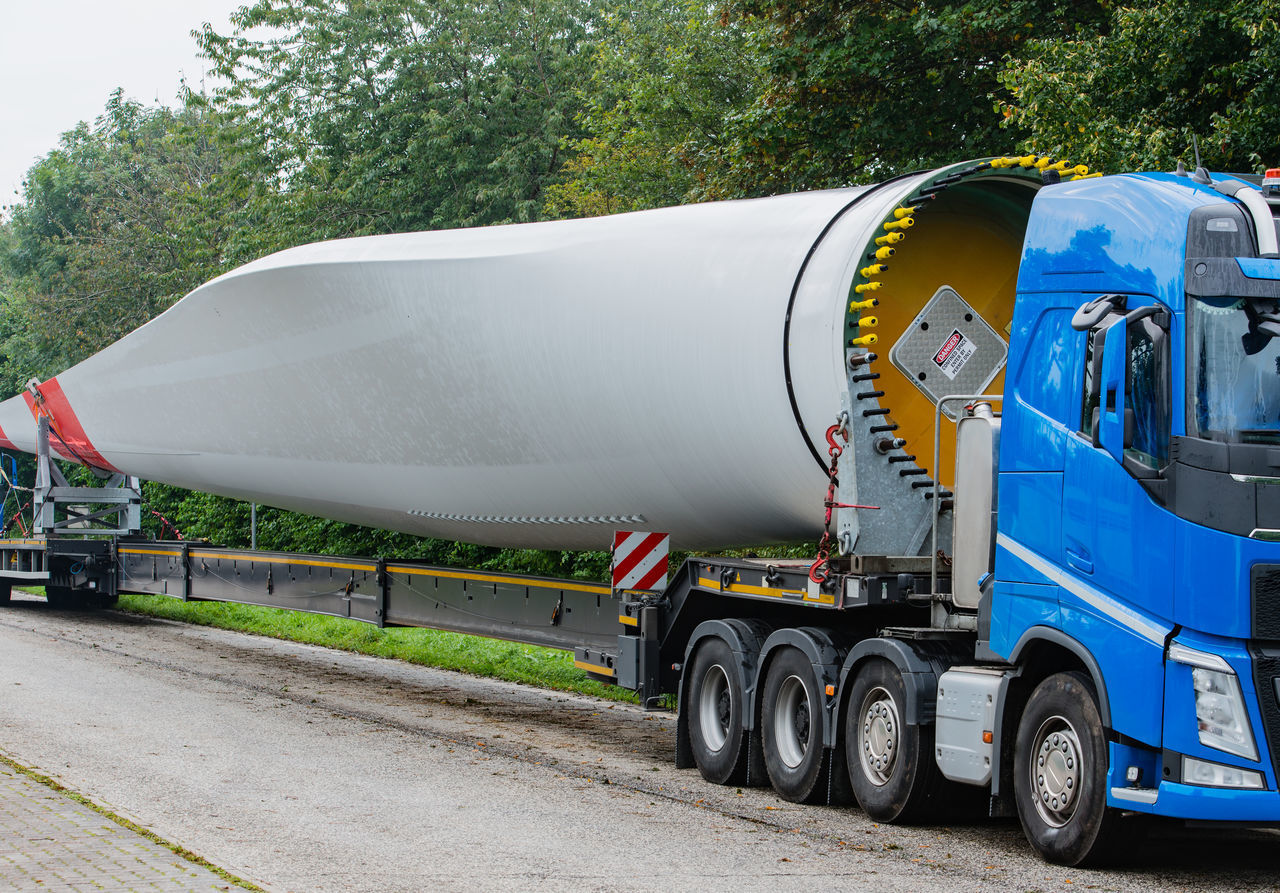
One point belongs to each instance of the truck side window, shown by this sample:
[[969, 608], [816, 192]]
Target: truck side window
[[1147, 393], [1088, 403]]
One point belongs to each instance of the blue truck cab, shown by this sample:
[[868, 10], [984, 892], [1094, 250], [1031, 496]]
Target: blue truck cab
[[1138, 527]]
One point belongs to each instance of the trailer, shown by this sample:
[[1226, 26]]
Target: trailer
[[1048, 580]]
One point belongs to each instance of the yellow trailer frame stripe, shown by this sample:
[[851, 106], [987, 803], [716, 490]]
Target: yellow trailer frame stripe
[[744, 589], [488, 578], [593, 668], [271, 559]]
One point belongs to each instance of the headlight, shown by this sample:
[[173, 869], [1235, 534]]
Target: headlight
[[1221, 716]]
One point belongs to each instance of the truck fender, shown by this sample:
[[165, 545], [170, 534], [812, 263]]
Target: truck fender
[[1062, 640], [919, 675], [825, 656], [745, 639]]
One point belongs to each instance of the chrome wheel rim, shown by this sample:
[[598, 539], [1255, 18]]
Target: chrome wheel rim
[[878, 735], [793, 721], [715, 707], [1056, 771]]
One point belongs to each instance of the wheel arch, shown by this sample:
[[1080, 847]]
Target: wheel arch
[[745, 639], [824, 653], [919, 675], [1042, 651]]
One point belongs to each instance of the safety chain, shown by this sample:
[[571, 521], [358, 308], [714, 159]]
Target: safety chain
[[820, 570]]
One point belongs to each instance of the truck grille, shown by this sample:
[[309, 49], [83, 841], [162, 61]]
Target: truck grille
[[1266, 673], [1264, 585]]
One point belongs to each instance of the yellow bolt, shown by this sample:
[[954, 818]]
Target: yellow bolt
[[855, 306], [899, 213], [1080, 170], [890, 239], [864, 340], [868, 286], [868, 322], [904, 223], [873, 270], [1027, 161], [885, 253]]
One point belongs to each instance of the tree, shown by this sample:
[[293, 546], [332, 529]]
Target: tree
[[402, 114], [1133, 95], [668, 79], [859, 90], [119, 222]]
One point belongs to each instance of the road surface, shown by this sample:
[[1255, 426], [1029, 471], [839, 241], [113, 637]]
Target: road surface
[[306, 769]]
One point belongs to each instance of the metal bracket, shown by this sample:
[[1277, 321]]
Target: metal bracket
[[61, 509]]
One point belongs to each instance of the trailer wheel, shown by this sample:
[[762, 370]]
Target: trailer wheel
[[716, 714], [6, 591], [791, 727], [62, 598], [891, 765], [1060, 772]]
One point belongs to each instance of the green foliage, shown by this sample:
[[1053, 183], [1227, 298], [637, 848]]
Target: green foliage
[[858, 90], [120, 221], [1131, 95], [668, 80], [169, 511], [402, 114]]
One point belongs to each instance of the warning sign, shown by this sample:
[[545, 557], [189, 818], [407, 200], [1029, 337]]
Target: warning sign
[[954, 353]]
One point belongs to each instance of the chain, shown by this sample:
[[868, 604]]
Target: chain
[[820, 570]]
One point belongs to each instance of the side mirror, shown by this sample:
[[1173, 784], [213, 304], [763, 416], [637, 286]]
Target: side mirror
[[1111, 428]]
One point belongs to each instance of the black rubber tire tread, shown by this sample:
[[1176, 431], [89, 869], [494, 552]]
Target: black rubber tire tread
[[913, 790], [806, 782], [6, 592], [728, 764], [64, 599], [1095, 834], [59, 598]]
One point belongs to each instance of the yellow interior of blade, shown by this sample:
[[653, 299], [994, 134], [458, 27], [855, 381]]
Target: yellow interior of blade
[[970, 238]]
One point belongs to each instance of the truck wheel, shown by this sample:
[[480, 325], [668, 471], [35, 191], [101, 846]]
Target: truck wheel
[[716, 714], [6, 592], [791, 727], [891, 765], [1060, 772], [62, 598]]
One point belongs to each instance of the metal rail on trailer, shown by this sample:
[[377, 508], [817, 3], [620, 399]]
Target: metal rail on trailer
[[86, 548]]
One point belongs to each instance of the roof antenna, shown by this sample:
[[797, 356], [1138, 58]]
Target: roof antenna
[[1201, 175]]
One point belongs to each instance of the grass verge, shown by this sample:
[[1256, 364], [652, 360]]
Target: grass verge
[[132, 826], [527, 664]]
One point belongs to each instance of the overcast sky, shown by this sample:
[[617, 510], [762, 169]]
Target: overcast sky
[[60, 60]]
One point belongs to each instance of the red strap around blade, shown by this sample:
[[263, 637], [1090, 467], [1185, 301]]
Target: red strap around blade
[[67, 435]]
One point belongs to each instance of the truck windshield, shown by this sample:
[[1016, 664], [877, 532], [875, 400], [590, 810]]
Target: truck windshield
[[1233, 373]]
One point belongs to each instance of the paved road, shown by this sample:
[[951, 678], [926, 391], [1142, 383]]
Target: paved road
[[306, 769]]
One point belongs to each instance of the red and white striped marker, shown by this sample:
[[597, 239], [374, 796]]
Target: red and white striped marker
[[640, 560]]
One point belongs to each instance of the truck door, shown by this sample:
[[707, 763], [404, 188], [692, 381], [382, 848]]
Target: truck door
[[1114, 536]]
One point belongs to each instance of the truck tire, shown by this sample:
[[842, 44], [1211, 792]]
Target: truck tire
[[61, 598], [6, 592], [1060, 773], [791, 727], [716, 714], [891, 765]]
